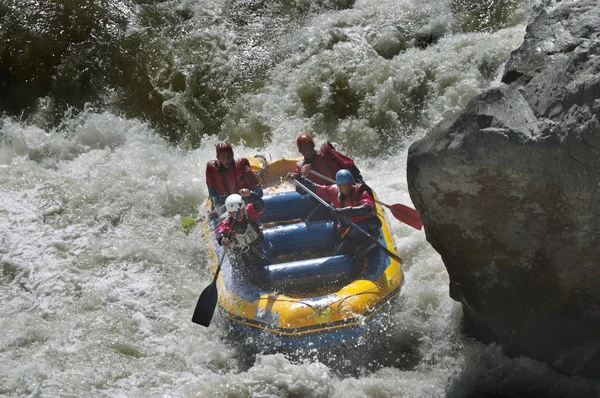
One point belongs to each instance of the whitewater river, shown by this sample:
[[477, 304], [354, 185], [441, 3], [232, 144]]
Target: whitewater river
[[98, 282]]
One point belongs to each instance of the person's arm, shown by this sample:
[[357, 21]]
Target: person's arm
[[256, 193], [215, 198], [249, 179], [222, 231], [326, 192], [365, 207], [306, 182], [208, 175], [353, 211], [298, 167], [255, 209], [258, 205]]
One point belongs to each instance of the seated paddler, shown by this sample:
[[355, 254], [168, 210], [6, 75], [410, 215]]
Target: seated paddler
[[326, 161], [241, 232], [354, 201], [226, 175]]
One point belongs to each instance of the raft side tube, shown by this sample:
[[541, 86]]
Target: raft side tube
[[299, 237], [287, 206], [316, 272]]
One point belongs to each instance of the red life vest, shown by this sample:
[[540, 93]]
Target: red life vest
[[231, 180], [360, 194], [327, 161]]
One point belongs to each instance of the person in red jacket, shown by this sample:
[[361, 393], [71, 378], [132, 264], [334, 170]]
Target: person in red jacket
[[326, 161], [241, 232], [226, 176], [354, 201]]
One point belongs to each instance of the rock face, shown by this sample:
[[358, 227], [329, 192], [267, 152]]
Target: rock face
[[509, 192]]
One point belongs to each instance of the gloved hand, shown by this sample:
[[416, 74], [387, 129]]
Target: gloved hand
[[337, 213], [305, 170], [245, 192], [291, 176]]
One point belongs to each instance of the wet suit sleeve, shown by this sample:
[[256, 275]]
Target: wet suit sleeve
[[365, 207], [307, 183], [354, 211], [257, 193]]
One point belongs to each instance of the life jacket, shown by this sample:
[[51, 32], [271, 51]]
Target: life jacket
[[359, 192], [246, 233], [231, 180], [327, 161]]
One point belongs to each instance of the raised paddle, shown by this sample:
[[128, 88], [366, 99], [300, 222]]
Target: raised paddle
[[324, 177], [348, 222], [405, 214], [207, 302]]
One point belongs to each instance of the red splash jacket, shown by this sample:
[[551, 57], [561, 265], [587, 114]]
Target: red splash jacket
[[328, 161], [222, 182]]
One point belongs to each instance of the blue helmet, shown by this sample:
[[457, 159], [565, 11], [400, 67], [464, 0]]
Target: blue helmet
[[343, 176]]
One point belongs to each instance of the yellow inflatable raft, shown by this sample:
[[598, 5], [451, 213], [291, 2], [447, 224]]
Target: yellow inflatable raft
[[307, 296]]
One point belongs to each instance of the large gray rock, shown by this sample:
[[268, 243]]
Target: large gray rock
[[509, 192]]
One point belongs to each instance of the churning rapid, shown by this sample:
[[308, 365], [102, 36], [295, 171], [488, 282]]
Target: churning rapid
[[111, 111]]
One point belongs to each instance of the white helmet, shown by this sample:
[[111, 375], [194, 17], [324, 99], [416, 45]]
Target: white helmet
[[234, 202]]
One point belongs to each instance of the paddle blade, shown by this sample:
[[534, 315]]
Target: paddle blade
[[407, 215], [207, 302]]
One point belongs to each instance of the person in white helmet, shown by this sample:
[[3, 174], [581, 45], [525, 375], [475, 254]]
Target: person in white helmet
[[242, 232]]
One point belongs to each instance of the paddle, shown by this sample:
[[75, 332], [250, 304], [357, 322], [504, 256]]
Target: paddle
[[405, 214], [347, 221], [207, 302]]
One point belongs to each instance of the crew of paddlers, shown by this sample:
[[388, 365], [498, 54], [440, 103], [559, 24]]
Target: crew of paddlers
[[234, 187]]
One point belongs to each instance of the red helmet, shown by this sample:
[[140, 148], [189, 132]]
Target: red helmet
[[224, 147], [303, 139]]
